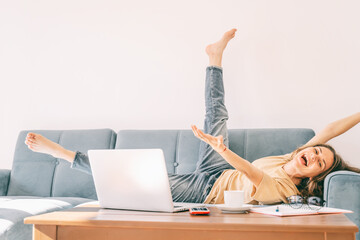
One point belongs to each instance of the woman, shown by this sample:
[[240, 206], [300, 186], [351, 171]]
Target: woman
[[267, 180]]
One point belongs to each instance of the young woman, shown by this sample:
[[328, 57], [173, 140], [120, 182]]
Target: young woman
[[267, 180]]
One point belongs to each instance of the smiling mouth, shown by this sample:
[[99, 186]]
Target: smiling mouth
[[305, 160]]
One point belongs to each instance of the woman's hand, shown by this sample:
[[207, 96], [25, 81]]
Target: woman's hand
[[217, 143], [254, 174]]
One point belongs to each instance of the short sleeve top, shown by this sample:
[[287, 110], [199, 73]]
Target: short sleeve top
[[275, 186]]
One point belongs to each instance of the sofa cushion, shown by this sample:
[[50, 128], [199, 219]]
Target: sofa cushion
[[164, 139], [181, 147], [37, 174], [32, 173], [253, 144], [4, 181], [14, 209], [72, 183], [341, 190]]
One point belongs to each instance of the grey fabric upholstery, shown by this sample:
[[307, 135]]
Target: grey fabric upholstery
[[36, 174], [4, 181], [181, 148], [253, 144], [164, 139], [13, 210], [342, 190], [32, 173], [39, 183], [71, 183]]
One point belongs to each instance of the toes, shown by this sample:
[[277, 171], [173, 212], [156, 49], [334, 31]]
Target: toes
[[30, 135], [30, 138], [29, 141], [31, 147], [34, 136], [231, 33]]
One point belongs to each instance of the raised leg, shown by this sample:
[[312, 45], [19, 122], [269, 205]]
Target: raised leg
[[214, 124], [195, 187], [216, 113]]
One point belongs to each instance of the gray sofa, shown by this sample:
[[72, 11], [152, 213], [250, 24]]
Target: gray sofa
[[39, 183]]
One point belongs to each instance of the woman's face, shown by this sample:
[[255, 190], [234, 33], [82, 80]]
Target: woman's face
[[313, 161]]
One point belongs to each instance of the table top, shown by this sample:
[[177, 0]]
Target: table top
[[93, 215]]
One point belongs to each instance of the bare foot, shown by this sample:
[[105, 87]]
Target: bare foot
[[217, 49], [41, 144]]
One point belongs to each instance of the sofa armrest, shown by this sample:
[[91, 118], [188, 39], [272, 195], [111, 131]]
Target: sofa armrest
[[342, 190], [4, 181]]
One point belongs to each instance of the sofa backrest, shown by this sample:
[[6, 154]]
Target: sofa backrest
[[181, 148], [36, 174]]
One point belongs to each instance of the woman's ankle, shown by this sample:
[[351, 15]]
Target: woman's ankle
[[64, 154], [215, 62]]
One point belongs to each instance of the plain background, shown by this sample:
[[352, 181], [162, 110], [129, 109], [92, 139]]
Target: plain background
[[80, 64]]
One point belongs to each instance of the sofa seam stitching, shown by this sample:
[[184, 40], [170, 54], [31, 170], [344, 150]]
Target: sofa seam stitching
[[56, 165], [245, 144], [176, 151]]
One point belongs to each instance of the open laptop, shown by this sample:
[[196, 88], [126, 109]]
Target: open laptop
[[133, 179]]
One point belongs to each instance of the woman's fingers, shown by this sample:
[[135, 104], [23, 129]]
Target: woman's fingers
[[204, 137], [214, 142], [198, 133], [194, 129]]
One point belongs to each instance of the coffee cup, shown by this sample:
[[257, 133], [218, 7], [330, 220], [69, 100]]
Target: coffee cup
[[234, 198]]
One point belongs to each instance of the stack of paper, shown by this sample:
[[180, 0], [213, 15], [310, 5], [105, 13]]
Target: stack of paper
[[286, 210]]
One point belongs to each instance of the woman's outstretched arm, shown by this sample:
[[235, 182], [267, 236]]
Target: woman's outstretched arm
[[254, 174], [334, 129]]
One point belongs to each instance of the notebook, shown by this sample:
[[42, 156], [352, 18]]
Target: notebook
[[284, 210], [133, 179]]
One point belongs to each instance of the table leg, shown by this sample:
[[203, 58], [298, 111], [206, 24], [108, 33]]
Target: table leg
[[44, 232]]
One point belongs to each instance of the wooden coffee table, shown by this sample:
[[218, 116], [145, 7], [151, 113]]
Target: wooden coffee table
[[91, 222]]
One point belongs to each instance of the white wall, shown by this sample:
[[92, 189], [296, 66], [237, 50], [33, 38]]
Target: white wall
[[74, 64]]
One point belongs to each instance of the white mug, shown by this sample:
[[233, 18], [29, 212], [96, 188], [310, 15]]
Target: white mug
[[234, 198]]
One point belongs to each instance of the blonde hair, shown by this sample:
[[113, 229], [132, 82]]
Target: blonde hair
[[315, 186]]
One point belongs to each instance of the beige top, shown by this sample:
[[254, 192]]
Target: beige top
[[275, 186]]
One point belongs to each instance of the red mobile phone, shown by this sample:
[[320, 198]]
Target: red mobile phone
[[199, 211]]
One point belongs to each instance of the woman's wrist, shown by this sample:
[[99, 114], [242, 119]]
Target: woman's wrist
[[222, 149]]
